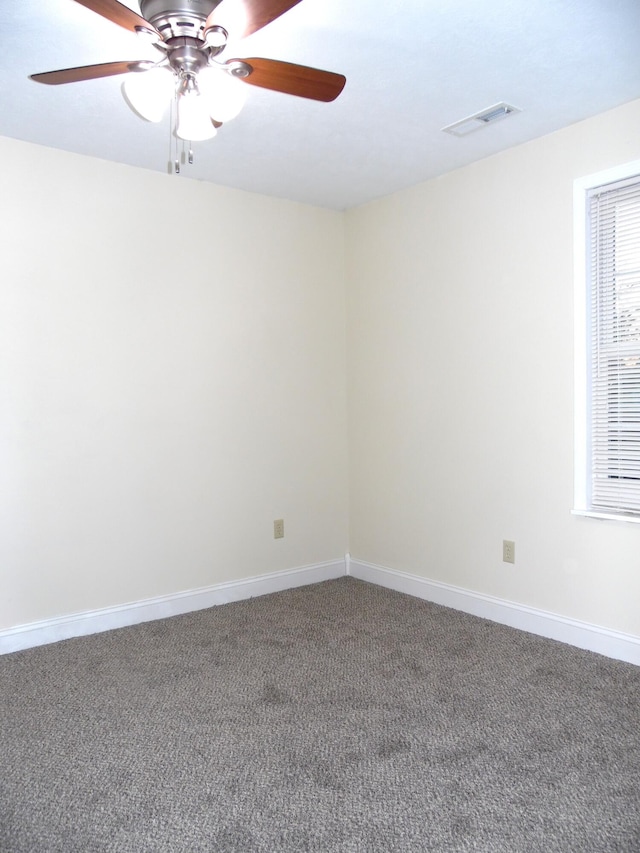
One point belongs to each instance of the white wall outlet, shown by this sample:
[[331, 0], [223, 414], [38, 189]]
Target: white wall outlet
[[278, 528], [508, 551]]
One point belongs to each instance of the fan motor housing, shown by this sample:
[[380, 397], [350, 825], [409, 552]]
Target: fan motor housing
[[174, 18]]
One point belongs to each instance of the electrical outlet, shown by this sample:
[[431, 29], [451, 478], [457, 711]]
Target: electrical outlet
[[278, 528], [508, 551]]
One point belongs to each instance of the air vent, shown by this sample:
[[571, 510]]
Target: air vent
[[492, 114]]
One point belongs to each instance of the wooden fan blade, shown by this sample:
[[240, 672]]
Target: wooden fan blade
[[294, 79], [119, 14], [84, 72], [242, 17]]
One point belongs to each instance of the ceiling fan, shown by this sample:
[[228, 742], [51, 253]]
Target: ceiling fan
[[191, 35]]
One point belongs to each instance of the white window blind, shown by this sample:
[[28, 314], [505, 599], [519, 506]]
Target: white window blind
[[613, 269]]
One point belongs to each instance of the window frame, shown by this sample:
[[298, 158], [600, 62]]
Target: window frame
[[582, 321]]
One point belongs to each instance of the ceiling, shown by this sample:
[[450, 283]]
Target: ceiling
[[412, 67]]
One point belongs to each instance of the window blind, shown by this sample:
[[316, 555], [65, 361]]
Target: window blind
[[613, 244]]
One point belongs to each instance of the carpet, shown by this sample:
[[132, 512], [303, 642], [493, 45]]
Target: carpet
[[334, 717]]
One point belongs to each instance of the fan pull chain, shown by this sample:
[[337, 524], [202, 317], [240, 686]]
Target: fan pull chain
[[174, 163], [180, 157], [177, 155]]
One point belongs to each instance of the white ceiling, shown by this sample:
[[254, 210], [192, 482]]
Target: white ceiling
[[412, 67]]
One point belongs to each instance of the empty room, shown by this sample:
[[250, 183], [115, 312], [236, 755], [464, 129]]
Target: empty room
[[320, 426]]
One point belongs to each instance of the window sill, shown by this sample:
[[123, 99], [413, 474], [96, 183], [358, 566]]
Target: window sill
[[606, 516]]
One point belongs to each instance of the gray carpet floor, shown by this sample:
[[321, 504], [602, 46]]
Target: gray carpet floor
[[334, 717]]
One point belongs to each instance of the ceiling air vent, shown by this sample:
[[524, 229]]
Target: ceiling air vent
[[492, 114]]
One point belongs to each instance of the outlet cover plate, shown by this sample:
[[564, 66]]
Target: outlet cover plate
[[508, 551]]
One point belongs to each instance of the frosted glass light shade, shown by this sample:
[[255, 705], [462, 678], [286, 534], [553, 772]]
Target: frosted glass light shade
[[149, 92], [194, 122], [223, 94]]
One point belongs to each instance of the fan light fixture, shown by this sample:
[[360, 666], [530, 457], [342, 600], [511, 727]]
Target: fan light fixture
[[149, 93], [204, 97], [194, 122], [225, 94]]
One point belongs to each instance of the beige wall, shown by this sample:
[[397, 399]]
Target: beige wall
[[460, 328], [172, 379]]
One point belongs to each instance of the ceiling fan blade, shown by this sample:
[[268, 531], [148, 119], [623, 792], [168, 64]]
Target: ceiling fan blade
[[119, 14], [249, 15], [84, 72], [294, 79]]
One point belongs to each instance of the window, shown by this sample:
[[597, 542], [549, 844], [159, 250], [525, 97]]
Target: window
[[608, 344]]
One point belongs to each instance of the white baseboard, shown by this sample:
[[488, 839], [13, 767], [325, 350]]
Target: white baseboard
[[95, 621], [613, 644]]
